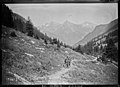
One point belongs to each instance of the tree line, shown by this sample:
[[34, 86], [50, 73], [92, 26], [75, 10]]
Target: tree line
[[105, 53], [12, 20]]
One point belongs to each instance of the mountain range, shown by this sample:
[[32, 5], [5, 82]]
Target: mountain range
[[29, 61], [100, 29], [68, 32]]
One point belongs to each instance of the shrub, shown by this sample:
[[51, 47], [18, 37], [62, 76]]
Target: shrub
[[13, 34]]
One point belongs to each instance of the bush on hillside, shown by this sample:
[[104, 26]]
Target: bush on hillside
[[13, 34], [45, 41]]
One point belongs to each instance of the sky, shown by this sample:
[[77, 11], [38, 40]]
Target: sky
[[97, 13]]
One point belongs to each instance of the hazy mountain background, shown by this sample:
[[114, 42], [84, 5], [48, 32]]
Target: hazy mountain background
[[100, 29], [29, 59], [67, 31], [68, 22]]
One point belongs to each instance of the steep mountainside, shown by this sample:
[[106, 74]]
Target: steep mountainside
[[28, 57], [6, 16], [26, 60], [16, 16], [100, 29], [20, 25], [29, 61], [19, 22], [67, 32]]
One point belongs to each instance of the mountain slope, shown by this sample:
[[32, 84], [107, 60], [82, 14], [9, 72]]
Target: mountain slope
[[20, 25], [19, 22], [26, 60], [28, 57], [16, 16], [100, 29], [67, 32]]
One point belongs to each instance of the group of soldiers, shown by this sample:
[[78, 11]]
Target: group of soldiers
[[67, 62]]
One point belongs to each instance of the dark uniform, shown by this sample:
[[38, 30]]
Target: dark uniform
[[67, 62]]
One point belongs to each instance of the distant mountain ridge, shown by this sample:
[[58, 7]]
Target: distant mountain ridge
[[67, 32], [100, 29]]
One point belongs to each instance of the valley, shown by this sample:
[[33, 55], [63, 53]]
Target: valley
[[73, 51], [29, 61]]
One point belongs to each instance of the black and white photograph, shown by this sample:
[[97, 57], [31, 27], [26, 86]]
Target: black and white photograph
[[59, 43]]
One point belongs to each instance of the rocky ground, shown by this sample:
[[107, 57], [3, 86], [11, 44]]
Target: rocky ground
[[26, 60]]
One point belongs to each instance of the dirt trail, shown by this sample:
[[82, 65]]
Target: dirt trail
[[56, 78]]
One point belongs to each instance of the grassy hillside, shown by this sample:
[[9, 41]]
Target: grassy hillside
[[26, 60], [25, 55], [30, 60]]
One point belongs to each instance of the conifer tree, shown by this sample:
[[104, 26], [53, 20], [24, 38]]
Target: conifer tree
[[58, 44], [110, 51], [29, 27], [54, 41], [61, 43]]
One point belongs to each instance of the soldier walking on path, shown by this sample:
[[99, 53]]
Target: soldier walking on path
[[67, 62]]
